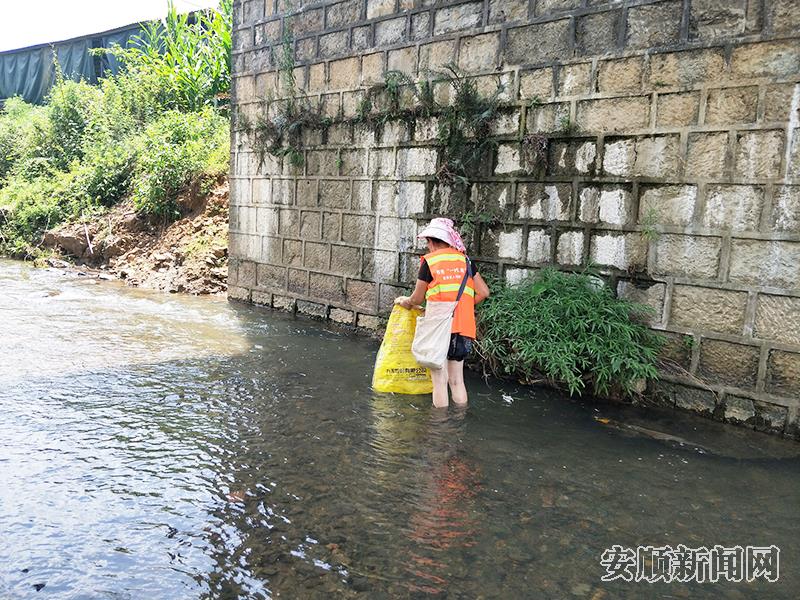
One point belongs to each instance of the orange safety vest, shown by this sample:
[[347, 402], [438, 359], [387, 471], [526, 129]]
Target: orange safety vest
[[448, 266]]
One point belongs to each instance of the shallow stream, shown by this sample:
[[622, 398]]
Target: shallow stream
[[167, 447]]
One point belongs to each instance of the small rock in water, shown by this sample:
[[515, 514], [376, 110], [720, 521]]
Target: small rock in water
[[38, 586], [507, 399]]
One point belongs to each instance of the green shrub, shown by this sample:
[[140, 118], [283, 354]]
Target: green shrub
[[173, 151], [71, 107], [567, 328]]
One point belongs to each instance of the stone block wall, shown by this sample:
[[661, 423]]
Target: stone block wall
[[673, 163]]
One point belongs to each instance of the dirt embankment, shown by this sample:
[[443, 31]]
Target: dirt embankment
[[189, 255]]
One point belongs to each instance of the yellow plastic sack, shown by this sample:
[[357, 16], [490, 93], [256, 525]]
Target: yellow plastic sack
[[396, 369]]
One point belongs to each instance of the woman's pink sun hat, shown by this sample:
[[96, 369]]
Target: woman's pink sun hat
[[443, 229]]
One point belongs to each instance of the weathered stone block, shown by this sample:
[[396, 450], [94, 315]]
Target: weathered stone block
[[379, 8], [312, 21], [547, 202], [544, 7], [290, 222], [703, 402], [362, 294], [322, 162], [508, 159], [297, 282], [687, 256], [620, 75], [381, 163], [778, 319], [538, 250], [326, 287], [345, 317], [569, 248], [769, 263], [510, 244], [334, 194], [572, 157], [238, 293], [778, 102], [706, 309], [786, 209], [479, 53], [548, 118], [679, 69], [283, 303], [654, 25], [331, 227], [261, 298], [733, 207], [416, 162], [381, 265], [293, 253], [598, 33], [343, 13], [574, 79], [312, 309], [783, 16], [358, 229], [396, 234], [783, 373], [344, 74], [283, 191], [740, 410], [657, 156], [505, 11], [372, 68], [316, 78], [435, 56], [647, 293], [732, 105], [307, 192], [677, 110], [536, 84], [346, 260], [710, 19], [317, 256], [770, 418], [766, 59], [613, 114], [619, 156], [624, 251], [390, 31], [676, 354], [456, 18], [538, 43], [607, 203], [333, 44], [271, 250], [706, 155], [362, 196], [667, 204], [310, 225], [734, 365], [420, 26]]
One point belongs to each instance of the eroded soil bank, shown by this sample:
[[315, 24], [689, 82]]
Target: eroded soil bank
[[189, 255]]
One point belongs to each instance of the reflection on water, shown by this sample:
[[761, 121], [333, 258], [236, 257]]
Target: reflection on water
[[157, 446]]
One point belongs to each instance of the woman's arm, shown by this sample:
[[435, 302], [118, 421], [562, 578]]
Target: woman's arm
[[481, 289], [416, 298]]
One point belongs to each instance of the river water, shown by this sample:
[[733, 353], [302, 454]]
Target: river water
[[156, 446]]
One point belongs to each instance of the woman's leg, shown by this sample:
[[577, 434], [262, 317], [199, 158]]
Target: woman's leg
[[439, 377], [455, 375]]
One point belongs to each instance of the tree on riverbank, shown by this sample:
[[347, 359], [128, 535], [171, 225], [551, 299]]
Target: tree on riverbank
[[150, 132]]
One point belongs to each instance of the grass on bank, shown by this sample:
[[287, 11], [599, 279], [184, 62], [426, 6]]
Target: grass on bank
[[144, 134]]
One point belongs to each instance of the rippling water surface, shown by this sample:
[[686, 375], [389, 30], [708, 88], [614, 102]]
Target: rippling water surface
[[156, 446]]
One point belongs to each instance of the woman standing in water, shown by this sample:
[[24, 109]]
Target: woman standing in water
[[440, 274]]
